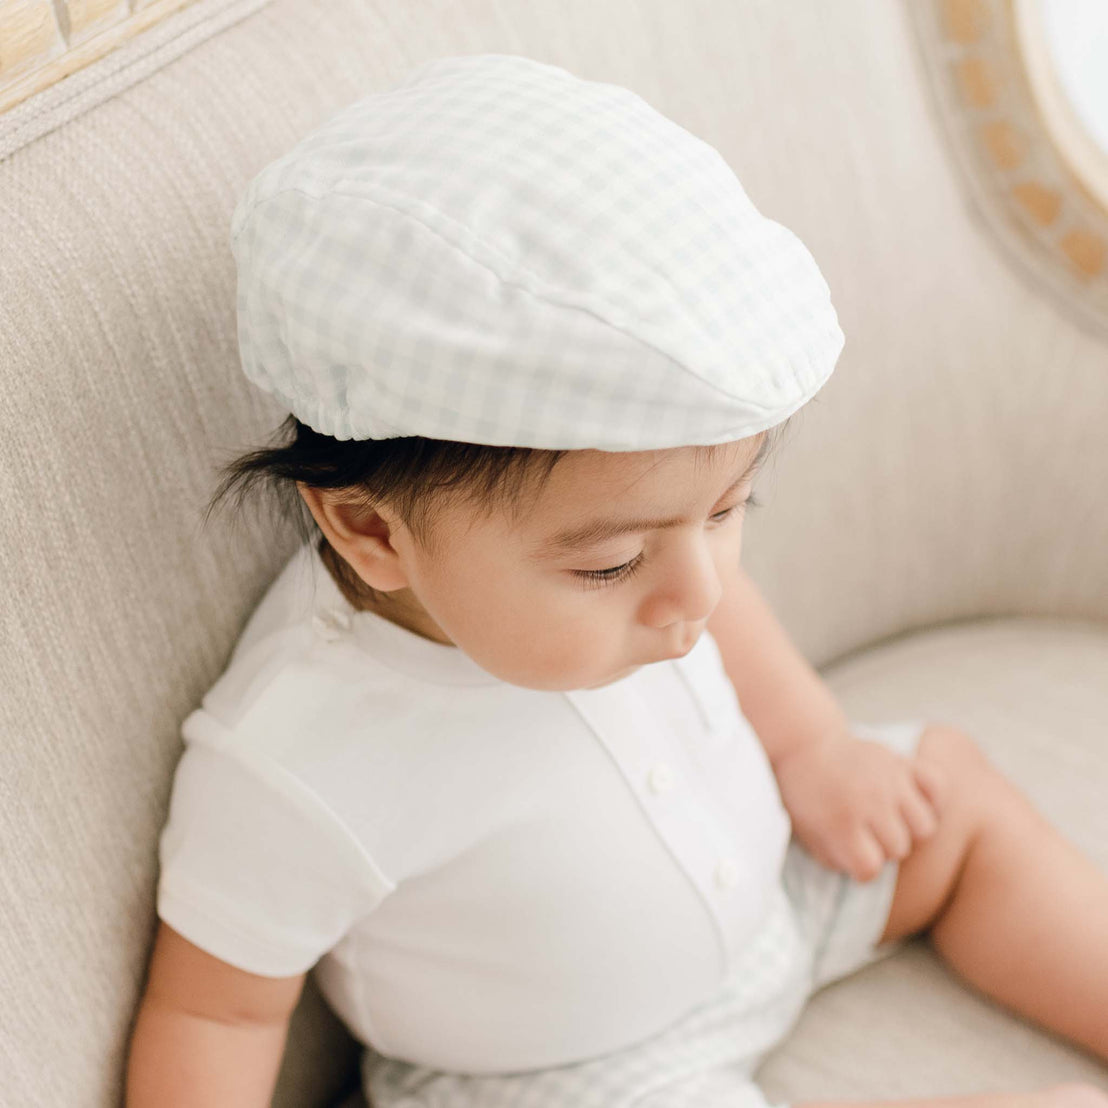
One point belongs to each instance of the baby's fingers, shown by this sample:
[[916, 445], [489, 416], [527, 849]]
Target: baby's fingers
[[867, 858], [919, 814], [894, 837], [931, 783]]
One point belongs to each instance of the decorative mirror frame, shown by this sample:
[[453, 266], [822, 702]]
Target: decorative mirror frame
[[1039, 182]]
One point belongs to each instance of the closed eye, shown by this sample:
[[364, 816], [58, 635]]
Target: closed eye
[[615, 574]]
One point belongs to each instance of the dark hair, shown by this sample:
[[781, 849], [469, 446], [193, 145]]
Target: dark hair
[[397, 472]]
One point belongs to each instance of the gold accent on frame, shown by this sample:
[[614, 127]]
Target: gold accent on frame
[[978, 82], [1005, 145], [1086, 250], [965, 20], [1040, 203]]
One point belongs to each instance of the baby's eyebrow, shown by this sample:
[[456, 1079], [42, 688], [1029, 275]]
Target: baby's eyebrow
[[597, 530]]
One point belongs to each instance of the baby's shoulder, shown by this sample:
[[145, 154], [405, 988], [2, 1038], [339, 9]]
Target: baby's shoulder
[[295, 689]]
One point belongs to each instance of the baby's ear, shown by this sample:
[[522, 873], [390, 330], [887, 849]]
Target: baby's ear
[[360, 535]]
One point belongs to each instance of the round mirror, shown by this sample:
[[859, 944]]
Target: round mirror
[[1065, 47]]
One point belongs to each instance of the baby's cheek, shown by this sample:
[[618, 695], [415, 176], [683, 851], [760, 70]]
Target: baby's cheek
[[569, 655]]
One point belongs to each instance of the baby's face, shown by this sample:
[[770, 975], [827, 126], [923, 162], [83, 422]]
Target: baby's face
[[537, 607]]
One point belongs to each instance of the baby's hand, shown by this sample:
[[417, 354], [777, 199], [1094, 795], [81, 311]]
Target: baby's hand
[[854, 803]]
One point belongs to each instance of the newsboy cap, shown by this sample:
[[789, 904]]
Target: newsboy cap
[[498, 251]]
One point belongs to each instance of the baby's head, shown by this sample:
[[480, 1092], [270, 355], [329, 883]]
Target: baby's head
[[551, 569], [533, 336]]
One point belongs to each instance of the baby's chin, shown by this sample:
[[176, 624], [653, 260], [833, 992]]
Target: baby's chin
[[612, 680], [553, 684]]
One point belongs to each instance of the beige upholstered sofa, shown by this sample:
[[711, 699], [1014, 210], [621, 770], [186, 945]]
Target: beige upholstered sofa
[[935, 536]]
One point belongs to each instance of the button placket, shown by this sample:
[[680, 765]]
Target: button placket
[[728, 773], [685, 812]]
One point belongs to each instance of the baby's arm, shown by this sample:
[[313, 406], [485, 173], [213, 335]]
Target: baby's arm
[[852, 802], [780, 693], [207, 1033]]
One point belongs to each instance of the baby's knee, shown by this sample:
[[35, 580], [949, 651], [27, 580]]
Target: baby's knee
[[974, 790], [953, 751], [969, 784]]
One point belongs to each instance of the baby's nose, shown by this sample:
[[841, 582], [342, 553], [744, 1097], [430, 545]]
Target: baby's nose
[[688, 591]]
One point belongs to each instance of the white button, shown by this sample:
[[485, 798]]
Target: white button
[[661, 778], [340, 618], [324, 628], [727, 874]]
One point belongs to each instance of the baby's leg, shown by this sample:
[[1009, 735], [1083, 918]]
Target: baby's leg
[[1009, 903]]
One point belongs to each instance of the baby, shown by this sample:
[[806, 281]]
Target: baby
[[512, 753]]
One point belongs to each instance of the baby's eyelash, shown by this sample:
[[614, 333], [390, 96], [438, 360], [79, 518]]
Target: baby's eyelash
[[612, 576], [595, 577]]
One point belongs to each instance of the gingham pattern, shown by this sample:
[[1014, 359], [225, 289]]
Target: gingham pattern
[[497, 251], [822, 926]]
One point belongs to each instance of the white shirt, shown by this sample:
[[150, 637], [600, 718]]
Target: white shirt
[[490, 878]]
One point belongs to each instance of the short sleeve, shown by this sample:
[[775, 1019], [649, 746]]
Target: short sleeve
[[255, 868]]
